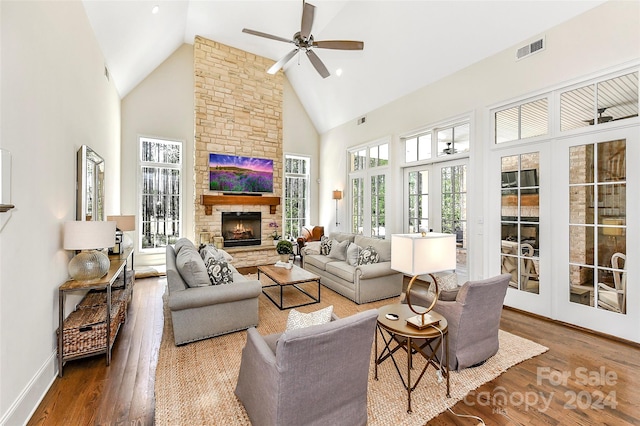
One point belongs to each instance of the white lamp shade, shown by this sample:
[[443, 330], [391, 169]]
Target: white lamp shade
[[124, 223], [89, 234], [413, 254]]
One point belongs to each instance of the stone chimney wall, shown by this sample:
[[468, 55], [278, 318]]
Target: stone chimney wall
[[238, 111]]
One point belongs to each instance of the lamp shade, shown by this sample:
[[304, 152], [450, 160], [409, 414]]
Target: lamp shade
[[337, 195], [124, 223], [413, 254], [89, 234]]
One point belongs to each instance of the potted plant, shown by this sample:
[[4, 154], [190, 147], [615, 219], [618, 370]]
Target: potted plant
[[284, 249], [276, 237]]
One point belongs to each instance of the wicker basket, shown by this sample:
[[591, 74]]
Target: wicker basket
[[85, 329]]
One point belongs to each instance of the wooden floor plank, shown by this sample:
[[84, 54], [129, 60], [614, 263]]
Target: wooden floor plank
[[91, 393]]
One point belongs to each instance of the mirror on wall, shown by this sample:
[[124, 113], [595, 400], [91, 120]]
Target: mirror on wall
[[90, 185]]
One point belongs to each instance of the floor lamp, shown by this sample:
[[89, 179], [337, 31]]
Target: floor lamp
[[420, 254], [337, 195]]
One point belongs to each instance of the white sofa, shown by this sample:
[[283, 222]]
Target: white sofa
[[360, 283]]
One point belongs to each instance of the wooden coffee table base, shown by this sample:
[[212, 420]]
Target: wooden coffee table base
[[289, 278]]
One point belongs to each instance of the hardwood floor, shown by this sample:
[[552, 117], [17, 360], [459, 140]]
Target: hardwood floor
[[598, 371]]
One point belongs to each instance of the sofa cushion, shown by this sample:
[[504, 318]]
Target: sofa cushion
[[191, 267], [183, 242], [383, 247], [298, 319], [341, 270], [339, 250], [342, 236], [325, 245], [368, 256], [352, 254], [317, 260], [219, 271]]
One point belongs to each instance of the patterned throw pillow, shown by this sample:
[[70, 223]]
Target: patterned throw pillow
[[301, 320], [368, 256], [219, 271], [447, 285], [325, 245]]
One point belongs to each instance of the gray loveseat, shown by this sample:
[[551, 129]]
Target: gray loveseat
[[360, 283], [203, 310]]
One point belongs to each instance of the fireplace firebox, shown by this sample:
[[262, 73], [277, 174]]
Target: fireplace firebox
[[241, 228]]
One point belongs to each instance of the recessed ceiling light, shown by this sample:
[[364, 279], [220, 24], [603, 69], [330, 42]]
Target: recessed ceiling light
[[339, 72], [155, 9]]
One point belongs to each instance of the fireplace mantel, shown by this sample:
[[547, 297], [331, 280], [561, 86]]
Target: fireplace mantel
[[244, 200]]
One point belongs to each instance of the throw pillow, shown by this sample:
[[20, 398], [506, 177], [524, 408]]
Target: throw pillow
[[298, 319], [447, 281], [368, 256], [312, 247], [219, 271], [339, 250], [353, 251], [215, 252], [191, 268], [325, 245]]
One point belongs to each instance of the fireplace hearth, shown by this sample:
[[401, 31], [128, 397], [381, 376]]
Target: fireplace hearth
[[241, 228]]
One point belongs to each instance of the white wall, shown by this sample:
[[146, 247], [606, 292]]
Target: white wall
[[300, 137], [603, 37], [55, 98], [161, 106]]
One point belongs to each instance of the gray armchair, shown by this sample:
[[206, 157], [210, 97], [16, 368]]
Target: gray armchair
[[474, 319], [310, 376]]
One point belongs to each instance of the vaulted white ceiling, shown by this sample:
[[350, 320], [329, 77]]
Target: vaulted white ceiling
[[407, 44]]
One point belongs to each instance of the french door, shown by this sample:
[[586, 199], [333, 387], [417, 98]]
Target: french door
[[436, 200]]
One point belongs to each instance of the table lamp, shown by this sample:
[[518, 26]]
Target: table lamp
[[124, 223], [420, 254], [88, 236]]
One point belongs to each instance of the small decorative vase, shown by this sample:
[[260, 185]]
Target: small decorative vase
[[284, 258], [275, 242]]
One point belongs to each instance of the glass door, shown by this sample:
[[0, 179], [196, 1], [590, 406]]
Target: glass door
[[436, 200]]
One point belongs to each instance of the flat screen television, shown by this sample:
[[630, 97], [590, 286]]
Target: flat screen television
[[238, 175]]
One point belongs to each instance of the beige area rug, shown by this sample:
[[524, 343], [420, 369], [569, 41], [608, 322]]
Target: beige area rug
[[195, 383]]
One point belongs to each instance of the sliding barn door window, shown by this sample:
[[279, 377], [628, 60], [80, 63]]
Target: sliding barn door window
[[160, 193]]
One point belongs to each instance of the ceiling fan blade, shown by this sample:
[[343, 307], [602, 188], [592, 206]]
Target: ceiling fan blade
[[339, 44], [307, 20], [317, 64], [276, 67], [265, 35]]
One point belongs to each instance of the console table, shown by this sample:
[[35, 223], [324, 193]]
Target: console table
[[93, 326]]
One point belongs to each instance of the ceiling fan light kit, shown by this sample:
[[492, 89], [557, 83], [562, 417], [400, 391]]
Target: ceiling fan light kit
[[303, 40]]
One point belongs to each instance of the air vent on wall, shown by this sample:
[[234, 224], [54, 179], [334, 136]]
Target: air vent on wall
[[531, 48]]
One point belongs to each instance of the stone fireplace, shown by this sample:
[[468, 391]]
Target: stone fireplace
[[241, 228]]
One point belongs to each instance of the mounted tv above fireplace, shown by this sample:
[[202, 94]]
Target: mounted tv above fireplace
[[240, 175]]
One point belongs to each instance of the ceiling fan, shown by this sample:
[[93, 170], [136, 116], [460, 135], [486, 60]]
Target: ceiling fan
[[601, 119], [303, 40]]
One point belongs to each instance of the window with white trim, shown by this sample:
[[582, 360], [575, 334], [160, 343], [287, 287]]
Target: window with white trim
[[296, 194], [160, 193]]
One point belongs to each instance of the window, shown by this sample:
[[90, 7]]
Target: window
[[599, 103], [522, 121], [368, 176], [160, 196], [449, 140], [296, 190]]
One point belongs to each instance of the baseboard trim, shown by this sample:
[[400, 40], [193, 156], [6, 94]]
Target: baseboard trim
[[29, 399]]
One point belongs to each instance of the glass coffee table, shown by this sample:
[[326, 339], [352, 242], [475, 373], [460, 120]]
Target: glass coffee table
[[397, 334], [294, 278]]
